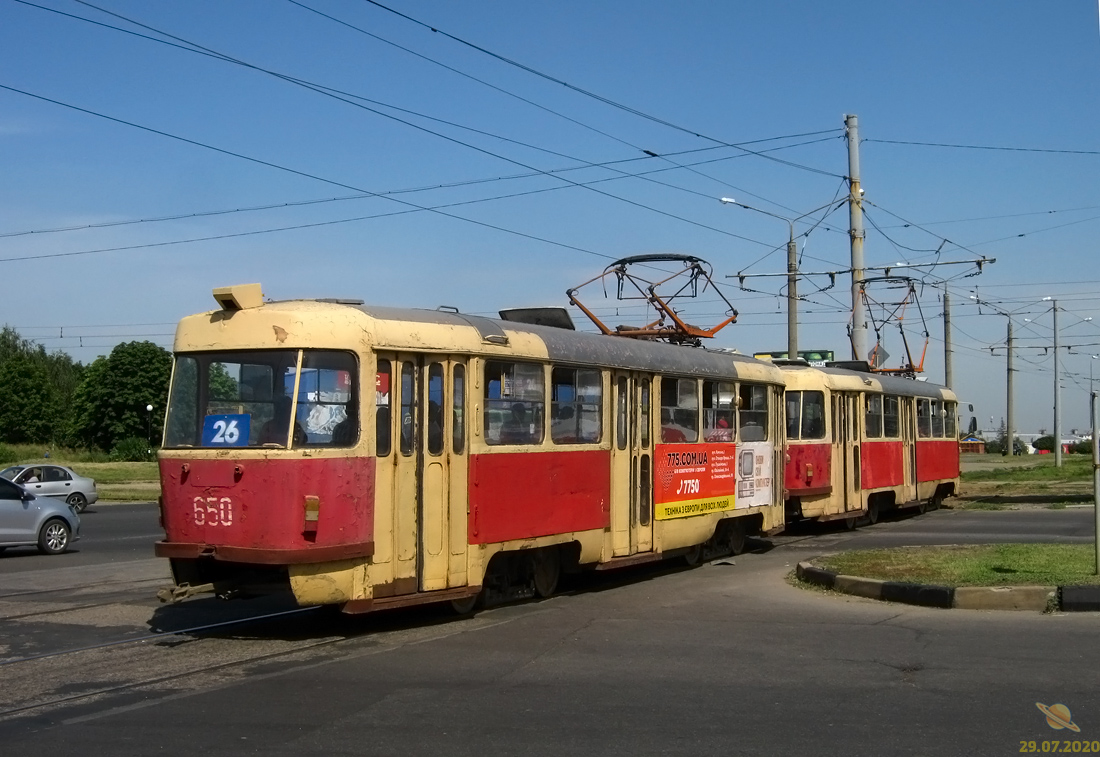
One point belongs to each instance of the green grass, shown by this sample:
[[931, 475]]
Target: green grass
[[136, 493], [23, 453], [981, 565], [1074, 467]]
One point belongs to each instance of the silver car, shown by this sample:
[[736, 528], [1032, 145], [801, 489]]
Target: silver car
[[29, 520], [54, 481]]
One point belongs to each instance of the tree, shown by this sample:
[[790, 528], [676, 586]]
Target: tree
[[1044, 443], [27, 405], [35, 390], [109, 405]]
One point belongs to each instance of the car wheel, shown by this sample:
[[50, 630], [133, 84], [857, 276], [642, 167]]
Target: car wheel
[[53, 539], [78, 501]]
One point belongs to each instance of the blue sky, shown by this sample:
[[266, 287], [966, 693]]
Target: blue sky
[[1010, 74]]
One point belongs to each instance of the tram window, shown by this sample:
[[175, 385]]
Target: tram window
[[924, 418], [718, 411], [328, 402], [753, 414], [937, 419], [874, 416], [949, 431], [435, 409], [245, 398], [576, 401], [794, 413], [643, 422], [408, 408], [891, 416], [813, 416], [514, 403], [383, 415], [679, 410], [458, 412], [645, 495], [620, 412]]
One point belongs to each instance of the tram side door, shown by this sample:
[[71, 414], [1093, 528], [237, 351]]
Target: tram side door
[[430, 473], [847, 439], [631, 464]]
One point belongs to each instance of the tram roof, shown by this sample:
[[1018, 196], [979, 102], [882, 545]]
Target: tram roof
[[846, 379], [583, 348], [343, 325]]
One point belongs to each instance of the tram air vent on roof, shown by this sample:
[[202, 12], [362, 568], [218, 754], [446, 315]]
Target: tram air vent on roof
[[556, 317]]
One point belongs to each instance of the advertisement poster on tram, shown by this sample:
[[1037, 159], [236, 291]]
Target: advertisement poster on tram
[[707, 478], [754, 474], [694, 479]]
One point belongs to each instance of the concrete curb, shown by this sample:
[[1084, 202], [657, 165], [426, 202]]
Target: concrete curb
[[1036, 598]]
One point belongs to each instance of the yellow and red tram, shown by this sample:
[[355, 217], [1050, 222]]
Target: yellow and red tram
[[375, 457], [859, 443]]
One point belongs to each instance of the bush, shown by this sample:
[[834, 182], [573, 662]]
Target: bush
[[994, 448], [8, 455], [1083, 448], [133, 449]]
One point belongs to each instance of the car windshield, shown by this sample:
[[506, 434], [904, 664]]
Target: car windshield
[[11, 473], [248, 399]]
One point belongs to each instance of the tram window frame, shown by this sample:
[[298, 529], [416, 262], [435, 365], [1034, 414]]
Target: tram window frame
[[924, 418], [680, 398], [719, 411], [249, 384], [622, 398], [408, 425], [383, 408], [576, 394], [873, 417], [458, 409], [937, 419], [950, 427], [512, 384], [891, 416], [644, 412], [317, 408], [800, 427], [752, 412], [436, 390]]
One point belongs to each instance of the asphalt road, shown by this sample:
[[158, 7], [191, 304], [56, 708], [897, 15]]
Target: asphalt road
[[729, 658], [108, 534]]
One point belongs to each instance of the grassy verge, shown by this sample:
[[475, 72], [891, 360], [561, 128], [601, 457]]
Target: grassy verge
[[129, 493], [1074, 467], [980, 565]]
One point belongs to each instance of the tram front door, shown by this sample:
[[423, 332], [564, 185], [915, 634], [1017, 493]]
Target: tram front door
[[631, 464], [429, 482]]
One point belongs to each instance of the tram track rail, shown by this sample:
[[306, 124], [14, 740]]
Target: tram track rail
[[370, 640]]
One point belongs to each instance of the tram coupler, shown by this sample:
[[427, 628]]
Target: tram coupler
[[175, 594]]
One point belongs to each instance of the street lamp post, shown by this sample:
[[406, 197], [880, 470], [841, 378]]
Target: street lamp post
[[149, 426], [792, 272]]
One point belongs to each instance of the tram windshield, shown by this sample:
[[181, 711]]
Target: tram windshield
[[269, 398]]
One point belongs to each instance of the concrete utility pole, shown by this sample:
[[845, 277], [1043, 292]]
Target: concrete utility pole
[[855, 214], [792, 297], [1095, 481], [1057, 392], [1010, 431], [947, 378]]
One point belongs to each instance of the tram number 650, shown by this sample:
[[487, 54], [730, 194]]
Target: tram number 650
[[213, 511]]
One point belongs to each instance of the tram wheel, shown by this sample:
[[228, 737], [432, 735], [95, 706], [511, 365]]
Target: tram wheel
[[922, 508], [872, 512], [736, 537], [694, 556], [467, 605], [545, 571], [851, 523]]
